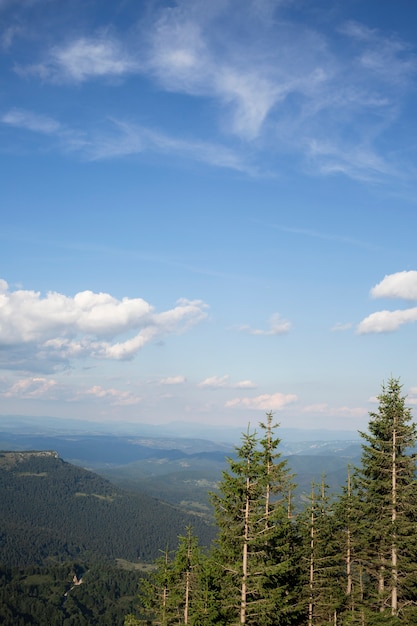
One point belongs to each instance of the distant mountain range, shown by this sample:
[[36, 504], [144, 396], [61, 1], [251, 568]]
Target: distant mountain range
[[174, 462], [178, 430]]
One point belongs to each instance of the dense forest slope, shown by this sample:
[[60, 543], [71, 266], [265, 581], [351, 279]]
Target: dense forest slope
[[52, 508]]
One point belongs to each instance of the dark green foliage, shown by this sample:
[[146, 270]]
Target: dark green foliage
[[343, 561], [52, 508], [322, 559], [387, 493], [255, 553], [35, 595], [175, 592]]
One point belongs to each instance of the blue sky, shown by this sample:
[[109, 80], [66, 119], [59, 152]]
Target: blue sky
[[208, 209]]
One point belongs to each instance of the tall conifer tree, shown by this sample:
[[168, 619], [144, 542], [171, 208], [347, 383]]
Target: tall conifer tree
[[387, 490], [255, 551]]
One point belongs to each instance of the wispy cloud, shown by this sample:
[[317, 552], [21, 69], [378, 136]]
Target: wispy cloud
[[272, 86], [56, 329], [390, 59], [83, 59], [120, 139], [315, 234], [131, 139], [341, 327], [173, 380], [222, 382], [31, 121], [277, 326], [332, 411], [264, 402], [116, 397], [30, 388]]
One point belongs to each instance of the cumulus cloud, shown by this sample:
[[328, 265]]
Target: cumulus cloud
[[264, 402], [399, 285], [412, 397], [277, 326], [55, 329], [83, 59], [387, 321], [219, 382]]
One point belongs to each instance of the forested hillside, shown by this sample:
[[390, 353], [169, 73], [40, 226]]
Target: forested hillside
[[343, 560], [52, 508], [47, 595]]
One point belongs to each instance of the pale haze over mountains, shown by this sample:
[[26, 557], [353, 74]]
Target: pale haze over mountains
[[208, 210]]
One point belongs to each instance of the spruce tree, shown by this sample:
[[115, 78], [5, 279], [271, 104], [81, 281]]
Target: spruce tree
[[255, 552], [387, 490], [323, 594], [170, 592]]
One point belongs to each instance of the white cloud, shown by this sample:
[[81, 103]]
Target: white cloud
[[277, 326], [331, 411], [387, 321], [245, 75], [125, 139], [30, 388], [358, 160], [8, 36], [399, 285], [121, 139], [56, 328], [340, 327], [221, 382], [278, 82], [265, 402], [388, 58], [31, 121], [173, 380], [83, 59], [114, 396]]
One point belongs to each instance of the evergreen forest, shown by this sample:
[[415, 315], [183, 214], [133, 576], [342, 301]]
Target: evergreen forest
[[338, 560]]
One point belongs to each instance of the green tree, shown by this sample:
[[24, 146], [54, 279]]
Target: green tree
[[170, 591], [322, 559], [387, 490], [255, 553]]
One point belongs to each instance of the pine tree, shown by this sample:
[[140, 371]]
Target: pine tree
[[387, 490]]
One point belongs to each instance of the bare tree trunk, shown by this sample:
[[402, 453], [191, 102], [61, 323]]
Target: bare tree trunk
[[349, 543], [245, 557], [394, 555], [165, 594], [187, 578], [310, 604]]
